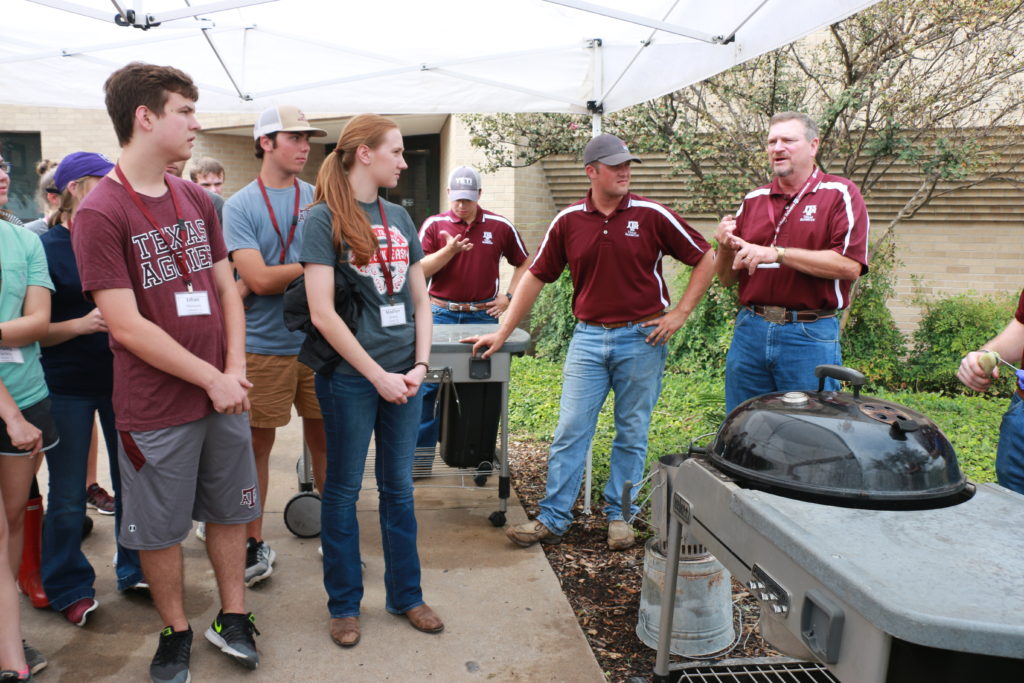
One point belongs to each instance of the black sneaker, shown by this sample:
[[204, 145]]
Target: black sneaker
[[232, 633], [259, 561], [170, 663], [15, 677], [34, 658]]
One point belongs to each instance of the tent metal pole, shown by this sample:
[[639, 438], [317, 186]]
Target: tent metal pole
[[596, 105]]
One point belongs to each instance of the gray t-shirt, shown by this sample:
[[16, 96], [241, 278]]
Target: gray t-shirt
[[247, 226], [394, 347]]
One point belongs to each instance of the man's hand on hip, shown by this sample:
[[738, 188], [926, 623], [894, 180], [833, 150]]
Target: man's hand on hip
[[665, 327], [497, 306]]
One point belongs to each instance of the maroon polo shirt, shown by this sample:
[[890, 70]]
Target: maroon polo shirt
[[472, 275], [1019, 315], [615, 260], [830, 215]]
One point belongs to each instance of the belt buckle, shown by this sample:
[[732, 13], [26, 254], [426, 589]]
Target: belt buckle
[[775, 314]]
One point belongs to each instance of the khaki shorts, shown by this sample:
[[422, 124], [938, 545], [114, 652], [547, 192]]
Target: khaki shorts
[[277, 383]]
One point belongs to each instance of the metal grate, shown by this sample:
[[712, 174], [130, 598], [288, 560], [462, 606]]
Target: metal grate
[[752, 670]]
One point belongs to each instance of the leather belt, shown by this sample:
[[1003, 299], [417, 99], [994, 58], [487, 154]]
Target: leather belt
[[782, 315], [615, 326], [459, 307]]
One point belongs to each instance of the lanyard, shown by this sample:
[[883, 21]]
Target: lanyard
[[273, 218], [789, 207], [385, 264], [179, 257]]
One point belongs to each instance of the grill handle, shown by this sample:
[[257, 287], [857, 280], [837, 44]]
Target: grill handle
[[843, 374]]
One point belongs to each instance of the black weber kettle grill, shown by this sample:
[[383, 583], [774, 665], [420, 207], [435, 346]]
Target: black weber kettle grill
[[868, 550]]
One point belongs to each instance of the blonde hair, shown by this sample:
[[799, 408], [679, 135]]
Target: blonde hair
[[68, 202], [350, 226]]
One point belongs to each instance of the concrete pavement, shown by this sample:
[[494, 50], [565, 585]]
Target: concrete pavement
[[506, 617]]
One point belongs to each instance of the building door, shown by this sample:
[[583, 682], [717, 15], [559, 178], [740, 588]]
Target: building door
[[418, 185], [23, 151]]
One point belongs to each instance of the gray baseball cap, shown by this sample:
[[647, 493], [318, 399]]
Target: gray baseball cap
[[607, 149], [464, 183]]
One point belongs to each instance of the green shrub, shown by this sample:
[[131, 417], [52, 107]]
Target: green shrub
[[552, 321], [871, 341], [702, 343], [949, 329]]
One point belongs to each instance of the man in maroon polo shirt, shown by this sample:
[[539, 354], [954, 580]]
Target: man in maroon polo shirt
[[795, 247], [613, 242], [464, 248]]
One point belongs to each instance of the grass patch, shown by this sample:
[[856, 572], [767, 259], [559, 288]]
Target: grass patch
[[693, 404]]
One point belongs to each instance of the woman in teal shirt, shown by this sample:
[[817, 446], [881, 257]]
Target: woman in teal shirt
[[25, 288]]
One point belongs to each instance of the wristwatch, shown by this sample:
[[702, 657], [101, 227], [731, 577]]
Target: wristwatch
[[781, 251], [508, 295]]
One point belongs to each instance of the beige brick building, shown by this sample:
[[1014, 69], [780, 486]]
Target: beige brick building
[[970, 240]]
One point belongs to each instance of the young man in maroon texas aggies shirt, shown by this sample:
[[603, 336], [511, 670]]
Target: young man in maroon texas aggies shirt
[[150, 253], [613, 242], [795, 247]]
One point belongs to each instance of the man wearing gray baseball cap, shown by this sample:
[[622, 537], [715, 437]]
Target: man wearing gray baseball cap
[[613, 242], [463, 250]]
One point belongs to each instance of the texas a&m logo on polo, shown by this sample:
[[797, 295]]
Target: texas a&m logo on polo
[[249, 497], [488, 238], [633, 229], [809, 212]]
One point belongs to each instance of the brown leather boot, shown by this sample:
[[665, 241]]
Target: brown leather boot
[[29, 581], [345, 631]]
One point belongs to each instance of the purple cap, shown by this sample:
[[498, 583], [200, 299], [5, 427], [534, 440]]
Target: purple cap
[[79, 165]]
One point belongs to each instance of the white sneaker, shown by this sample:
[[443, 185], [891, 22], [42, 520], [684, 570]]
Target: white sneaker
[[201, 531]]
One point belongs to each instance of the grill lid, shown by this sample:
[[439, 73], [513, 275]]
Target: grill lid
[[841, 449]]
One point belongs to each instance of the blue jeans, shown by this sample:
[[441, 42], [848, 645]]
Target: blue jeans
[[430, 423], [66, 573], [1010, 454], [353, 410], [599, 360], [766, 357]]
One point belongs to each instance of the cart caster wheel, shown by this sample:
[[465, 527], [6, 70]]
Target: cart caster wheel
[[483, 471], [302, 515], [497, 518]]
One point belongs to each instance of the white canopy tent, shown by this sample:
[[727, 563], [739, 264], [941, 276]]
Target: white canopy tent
[[397, 56]]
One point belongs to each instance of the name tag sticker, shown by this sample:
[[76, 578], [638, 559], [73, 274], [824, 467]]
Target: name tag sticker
[[11, 355], [192, 303], [392, 315]]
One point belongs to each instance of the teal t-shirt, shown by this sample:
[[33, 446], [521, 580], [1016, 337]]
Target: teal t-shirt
[[247, 226], [22, 263], [393, 347]]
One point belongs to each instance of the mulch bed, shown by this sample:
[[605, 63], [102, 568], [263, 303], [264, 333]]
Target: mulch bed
[[603, 586]]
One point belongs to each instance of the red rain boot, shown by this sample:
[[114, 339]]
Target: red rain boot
[[29, 581]]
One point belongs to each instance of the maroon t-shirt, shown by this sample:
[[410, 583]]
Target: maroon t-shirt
[[615, 260], [830, 215], [472, 275], [117, 248]]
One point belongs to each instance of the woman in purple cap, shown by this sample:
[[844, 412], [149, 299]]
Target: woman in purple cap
[[79, 372], [25, 413]]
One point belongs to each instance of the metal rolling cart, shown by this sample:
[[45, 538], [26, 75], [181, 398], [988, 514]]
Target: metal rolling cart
[[472, 401]]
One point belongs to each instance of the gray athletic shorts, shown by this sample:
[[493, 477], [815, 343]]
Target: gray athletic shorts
[[202, 470]]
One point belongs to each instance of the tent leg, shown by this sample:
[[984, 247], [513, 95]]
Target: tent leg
[[595, 124]]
